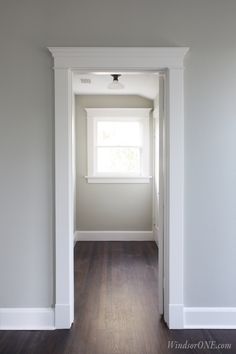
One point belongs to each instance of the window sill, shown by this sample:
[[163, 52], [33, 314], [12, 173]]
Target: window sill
[[100, 179]]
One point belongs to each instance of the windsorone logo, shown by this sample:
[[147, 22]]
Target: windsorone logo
[[201, 345]]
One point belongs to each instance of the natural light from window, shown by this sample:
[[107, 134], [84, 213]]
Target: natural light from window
[[119, 147]]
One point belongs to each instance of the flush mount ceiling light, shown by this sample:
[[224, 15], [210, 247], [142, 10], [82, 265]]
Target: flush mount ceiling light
[[115, 84]]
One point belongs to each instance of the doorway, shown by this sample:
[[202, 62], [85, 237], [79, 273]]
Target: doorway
[[117, 160], [66, 61]]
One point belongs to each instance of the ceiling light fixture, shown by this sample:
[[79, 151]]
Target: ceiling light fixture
[[115, 84]]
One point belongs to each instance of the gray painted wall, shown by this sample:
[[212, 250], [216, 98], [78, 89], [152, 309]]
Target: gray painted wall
[[109, 206], [208, 27]]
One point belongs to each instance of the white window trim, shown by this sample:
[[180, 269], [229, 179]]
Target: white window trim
[[114, 114]]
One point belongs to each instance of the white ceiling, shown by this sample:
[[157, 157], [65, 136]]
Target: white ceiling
[[145, 85]]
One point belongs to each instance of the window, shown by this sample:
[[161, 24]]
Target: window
[[118, 145]]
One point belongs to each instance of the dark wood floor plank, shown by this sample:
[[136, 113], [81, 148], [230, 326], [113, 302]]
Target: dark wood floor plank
[[116, 308]]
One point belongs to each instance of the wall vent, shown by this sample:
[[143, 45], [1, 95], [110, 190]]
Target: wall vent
[[85, 81]]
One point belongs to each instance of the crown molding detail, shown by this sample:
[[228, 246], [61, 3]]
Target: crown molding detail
[[136, 58]]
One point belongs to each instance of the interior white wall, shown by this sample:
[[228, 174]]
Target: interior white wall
[[26, 133], [108, 206]]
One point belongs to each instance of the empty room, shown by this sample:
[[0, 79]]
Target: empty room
[[117, 176]]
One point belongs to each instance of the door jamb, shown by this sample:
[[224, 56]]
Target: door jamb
[[83, 59]]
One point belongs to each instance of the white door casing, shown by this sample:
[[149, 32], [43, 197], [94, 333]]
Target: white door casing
[[83, 59], [160, 177]]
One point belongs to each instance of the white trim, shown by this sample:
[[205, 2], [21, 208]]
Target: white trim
[[27, 319], [176, 318], [114, 236], [130, 113], [174, 199], [115, 179], [210, 317], [64, 224], [159, 121], [156, 234], [122, 59], [62, 312]]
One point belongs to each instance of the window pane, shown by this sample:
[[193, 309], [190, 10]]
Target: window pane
[[119, 133], [118, 160]]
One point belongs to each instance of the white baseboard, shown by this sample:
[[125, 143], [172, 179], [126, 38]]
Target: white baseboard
[[210, 317], [27, 319], [114, 236]]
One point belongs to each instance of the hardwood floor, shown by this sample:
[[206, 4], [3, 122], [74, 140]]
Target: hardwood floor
[[115, 309]]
